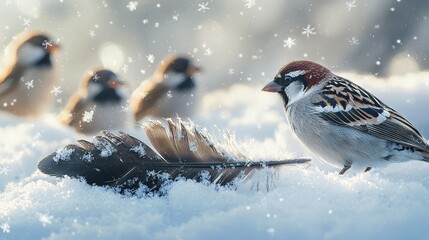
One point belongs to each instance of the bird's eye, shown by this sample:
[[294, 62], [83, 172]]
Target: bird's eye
[[284, 80]]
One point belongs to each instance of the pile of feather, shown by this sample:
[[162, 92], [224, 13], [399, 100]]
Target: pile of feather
[[183, 151]]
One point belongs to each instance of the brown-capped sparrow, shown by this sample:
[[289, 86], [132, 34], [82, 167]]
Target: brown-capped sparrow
[[171, 90], [343, 123], [99, 104], [29, 76]]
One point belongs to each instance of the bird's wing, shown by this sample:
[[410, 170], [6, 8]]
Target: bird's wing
[[125, 162], [347, 104], [73, 108], [10, 79], [145, 98]]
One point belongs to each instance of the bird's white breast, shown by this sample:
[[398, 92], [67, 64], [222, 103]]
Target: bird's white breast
[[97, 117], [33, 93]]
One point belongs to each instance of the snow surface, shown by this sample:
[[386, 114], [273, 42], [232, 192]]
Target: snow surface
[[306, 203]]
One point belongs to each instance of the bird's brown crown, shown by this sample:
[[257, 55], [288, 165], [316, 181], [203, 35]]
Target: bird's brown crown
[[313, 72]]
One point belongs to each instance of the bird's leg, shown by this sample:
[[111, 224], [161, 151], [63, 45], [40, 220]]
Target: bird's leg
[[367, 169], [345, 168]]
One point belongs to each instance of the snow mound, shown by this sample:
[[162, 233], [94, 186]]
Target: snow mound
[[306, 203]]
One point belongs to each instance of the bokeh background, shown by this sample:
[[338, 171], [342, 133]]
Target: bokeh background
[[234, 41]]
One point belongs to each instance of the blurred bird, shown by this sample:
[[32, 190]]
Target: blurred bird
[[171, 91], [26, 83], [99, 104], [342, 122]]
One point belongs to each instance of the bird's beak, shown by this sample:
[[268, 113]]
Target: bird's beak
[[272, 87], [54, 47], [192, 70], [115, 83]]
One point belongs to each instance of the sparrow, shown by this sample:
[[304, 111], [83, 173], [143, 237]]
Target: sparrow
[[99, 104], [29, 77], [343, 123], [171, 91]]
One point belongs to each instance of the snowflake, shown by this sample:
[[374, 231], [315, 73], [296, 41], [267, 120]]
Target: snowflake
[[176, 17], [125, 68], [45, 219], [249, 3], [308, 31], [202, 7], [56, 90], [29, 84], [132, 6], [125, 108], [63, 154], [231, 71], [5, 227], [350, 5], [169, 94], [4, 170], [145, 21], [88, 115], [150, 58], [208, 52], [59, 100], [354, 41], [88, 157], [26, 22], [289, 42], [46, 44], [92, 34], [139, 150]]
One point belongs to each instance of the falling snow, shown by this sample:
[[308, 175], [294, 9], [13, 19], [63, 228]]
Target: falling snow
[[203, 7], [308, 31], [350, 5], [56, 90], [132, 6], [5, 227], [92, 34], [353, 41], [46, 44], [4, 170], [169, 94], [249, 3], [45, 219], [29, 84], [88, 115], [150, 58], [289, 42]]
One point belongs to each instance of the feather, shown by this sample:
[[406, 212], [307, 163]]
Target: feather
[[122, 161]]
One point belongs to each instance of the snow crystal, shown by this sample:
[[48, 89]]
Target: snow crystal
[[106, 148], [193, 146], [308, 31], [88, 115], [289, 42], [56, 90], [5, 227], [88, 157], [63, 154], [139, 149], [132, 6], [45, 219], [202, 7]]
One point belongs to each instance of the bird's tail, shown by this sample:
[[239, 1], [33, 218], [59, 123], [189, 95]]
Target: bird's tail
[[125, 162]]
